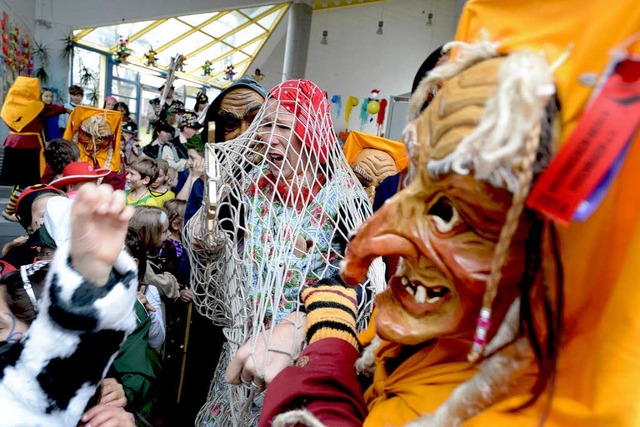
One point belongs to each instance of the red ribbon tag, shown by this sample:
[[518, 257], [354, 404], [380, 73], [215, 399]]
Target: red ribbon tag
[[593, 147]]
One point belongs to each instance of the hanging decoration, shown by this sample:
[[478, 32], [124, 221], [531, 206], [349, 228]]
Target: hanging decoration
[[41, 53], [180, 62], [229, 73], [207, 68], [68, 47], [16, 49], [122, 52], [380, 118], [337, 100], [86, 76], [352, 101], [151, 58], [258, 75]]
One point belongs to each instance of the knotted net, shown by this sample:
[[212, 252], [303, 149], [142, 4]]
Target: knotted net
[[280, 202]]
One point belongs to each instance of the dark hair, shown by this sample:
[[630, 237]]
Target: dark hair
[[123, 105], [135, 247], [59, 153], [76, 90], [146, 167], [162, 125], [14, 293]]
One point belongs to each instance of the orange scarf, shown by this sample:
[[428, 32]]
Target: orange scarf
[[419, 385]]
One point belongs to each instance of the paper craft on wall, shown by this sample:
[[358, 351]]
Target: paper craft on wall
[[364, 114], [337, 101], [352, 101], [381, 113]]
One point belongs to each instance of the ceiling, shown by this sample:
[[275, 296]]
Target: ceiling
[[223, 38]]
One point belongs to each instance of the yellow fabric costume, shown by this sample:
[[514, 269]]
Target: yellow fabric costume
[[22, 104], [113, 119], [599, 366], [598, 374], [359, 140]]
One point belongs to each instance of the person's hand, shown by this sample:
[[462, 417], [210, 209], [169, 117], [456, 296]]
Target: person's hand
[[107, 416], [332, 309], [196, 170], [112, 393], [100, 219], [270, 358], [12, 244], [186, 295], [144, 301]]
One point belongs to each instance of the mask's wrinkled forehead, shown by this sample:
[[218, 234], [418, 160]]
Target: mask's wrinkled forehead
[[482, 119]]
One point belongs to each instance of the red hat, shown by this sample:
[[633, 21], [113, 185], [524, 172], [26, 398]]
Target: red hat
[[78, 172]]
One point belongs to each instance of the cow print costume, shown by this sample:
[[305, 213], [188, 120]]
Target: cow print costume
[[47, 378]]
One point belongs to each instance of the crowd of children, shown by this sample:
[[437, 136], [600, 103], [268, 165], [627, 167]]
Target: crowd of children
[[156, 180]]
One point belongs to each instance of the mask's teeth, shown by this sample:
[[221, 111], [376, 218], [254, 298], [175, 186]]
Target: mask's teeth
[[421, 295]]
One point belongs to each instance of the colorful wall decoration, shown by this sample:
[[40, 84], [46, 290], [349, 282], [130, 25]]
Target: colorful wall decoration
[[16, 58]]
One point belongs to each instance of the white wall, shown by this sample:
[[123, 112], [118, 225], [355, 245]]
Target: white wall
[[357, 60]]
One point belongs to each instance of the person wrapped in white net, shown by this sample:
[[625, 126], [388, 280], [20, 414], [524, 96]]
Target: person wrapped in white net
[[280, 203]]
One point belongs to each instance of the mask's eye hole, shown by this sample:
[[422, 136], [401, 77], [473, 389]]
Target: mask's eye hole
[[444, 215]]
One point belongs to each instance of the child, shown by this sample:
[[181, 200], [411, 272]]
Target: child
[[159, 187], [32, 204], [123, 108], [24, 113], [140, 175], [110, 103], [193, 188], [151, 224], [75, 175], [40, 380], [175, 209], [58, 154], [131, 149], [163, 148], [51, 129], [76, 93]]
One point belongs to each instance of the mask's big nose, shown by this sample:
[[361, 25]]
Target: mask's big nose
[[378, 236]]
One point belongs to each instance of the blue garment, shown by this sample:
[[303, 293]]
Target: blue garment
[[195, 200], [386, 190], [51, 129]]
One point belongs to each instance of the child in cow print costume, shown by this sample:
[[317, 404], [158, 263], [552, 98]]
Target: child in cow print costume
[[49, 373]]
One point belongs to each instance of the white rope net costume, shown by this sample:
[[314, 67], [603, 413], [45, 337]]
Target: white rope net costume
[[280, 202]]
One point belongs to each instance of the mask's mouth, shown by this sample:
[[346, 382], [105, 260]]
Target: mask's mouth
[[418, 298]]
